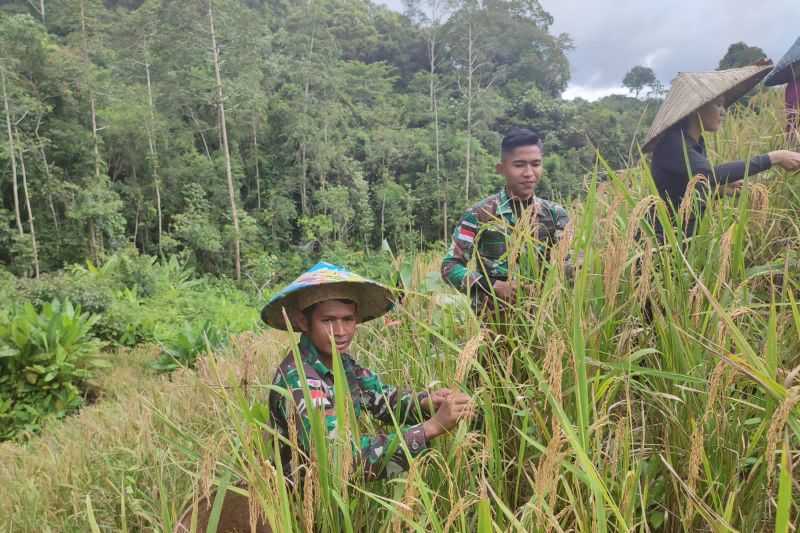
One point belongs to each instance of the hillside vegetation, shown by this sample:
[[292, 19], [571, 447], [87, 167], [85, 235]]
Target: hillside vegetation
[[654, 390], [291, 124]]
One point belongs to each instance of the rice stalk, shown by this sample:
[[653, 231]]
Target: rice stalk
[[778, 423]]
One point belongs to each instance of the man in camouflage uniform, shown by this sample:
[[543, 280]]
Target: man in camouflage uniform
[[487, 226], [327, 313]]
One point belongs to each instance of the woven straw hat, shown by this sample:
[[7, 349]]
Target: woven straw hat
[[692, 90], [323, 282], [785, 68]]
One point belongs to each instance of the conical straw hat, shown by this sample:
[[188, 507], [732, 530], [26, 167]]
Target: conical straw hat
[[692, 90], [323, 282], [785, 68]]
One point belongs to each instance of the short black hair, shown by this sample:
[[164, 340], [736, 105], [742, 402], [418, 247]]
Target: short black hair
[[309, 311], [516, 137]]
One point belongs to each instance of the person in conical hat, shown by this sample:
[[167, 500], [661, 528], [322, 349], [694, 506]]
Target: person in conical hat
[[696, 104], [326, 304], [787, 71]]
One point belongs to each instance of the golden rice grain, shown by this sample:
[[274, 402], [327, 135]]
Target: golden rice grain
[[779, 419], [467, 357]]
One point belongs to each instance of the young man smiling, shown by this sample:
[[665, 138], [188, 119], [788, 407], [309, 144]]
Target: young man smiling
[[326, 304], [485, 228]]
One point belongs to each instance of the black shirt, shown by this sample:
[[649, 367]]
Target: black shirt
[[671, 172]]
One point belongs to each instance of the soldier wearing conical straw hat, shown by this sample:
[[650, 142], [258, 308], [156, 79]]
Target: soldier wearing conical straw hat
[[696, 104], [326, 304], [787, 71]]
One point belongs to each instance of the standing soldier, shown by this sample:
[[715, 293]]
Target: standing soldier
[[487, 226]]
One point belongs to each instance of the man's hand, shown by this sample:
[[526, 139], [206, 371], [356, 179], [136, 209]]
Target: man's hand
[[786, 159], [455, 407], [505, 290], [729, 189], [435, 399]]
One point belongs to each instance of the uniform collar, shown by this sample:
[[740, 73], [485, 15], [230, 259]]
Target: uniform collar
[[505, 203], [310, 355]]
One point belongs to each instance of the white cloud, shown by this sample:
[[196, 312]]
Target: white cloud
[[592, 93], [669, 36], [652, 59]]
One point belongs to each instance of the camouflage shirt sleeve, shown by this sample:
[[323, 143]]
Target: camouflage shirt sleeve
[[561, 219], [380, 454], [454, 265], [388, 403]]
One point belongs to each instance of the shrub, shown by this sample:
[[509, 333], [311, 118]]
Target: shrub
[[182, 349], [82, 289], [46, 358]]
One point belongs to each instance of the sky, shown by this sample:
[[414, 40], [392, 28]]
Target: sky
[[611, 36]]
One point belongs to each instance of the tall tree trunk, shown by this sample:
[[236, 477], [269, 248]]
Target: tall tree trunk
[[94, 136], [469, 112], [39, 8], [383, 213], [92, 102], [258, 171], [93, 241], [442, 196], [12, 153], [200, 132], [303, 150], [28, 206], [136, 223], [304, 144], [49, 179], [94, 246], [154, 153], [226, 151]]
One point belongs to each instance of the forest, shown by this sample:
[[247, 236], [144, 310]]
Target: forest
[[169, 165], [230, 133]]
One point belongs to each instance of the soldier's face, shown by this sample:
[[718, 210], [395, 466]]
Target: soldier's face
[[332, 319], [522, 168]]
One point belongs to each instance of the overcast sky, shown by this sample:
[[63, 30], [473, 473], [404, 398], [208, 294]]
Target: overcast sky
[[611, 36]]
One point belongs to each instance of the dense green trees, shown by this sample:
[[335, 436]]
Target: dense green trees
[[740, 55], [638, 78], [330, 120]]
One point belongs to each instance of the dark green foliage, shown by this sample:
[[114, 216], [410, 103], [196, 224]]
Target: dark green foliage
[[182, 349], [46, 358], [48, 349], [93, 295], [329, 119], [638, 78], [740, 55]]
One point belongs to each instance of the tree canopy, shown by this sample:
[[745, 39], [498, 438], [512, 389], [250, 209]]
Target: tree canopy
[[638, 78], [740, 55], [344, 121]]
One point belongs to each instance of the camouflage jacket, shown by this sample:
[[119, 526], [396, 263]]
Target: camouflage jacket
[[486, 227], [380, 454]]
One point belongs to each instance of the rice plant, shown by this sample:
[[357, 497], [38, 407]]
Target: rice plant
[[634, 387]]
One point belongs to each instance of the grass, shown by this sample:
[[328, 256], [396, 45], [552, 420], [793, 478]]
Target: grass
[[593, 418], [123, 453]]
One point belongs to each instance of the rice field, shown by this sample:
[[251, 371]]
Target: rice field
[[655, 388]]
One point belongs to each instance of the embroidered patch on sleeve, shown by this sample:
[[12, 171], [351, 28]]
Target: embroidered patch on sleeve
[[318, 398], [467, 231]]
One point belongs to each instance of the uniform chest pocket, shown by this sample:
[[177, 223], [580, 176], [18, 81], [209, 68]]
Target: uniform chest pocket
[[492, 244]]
